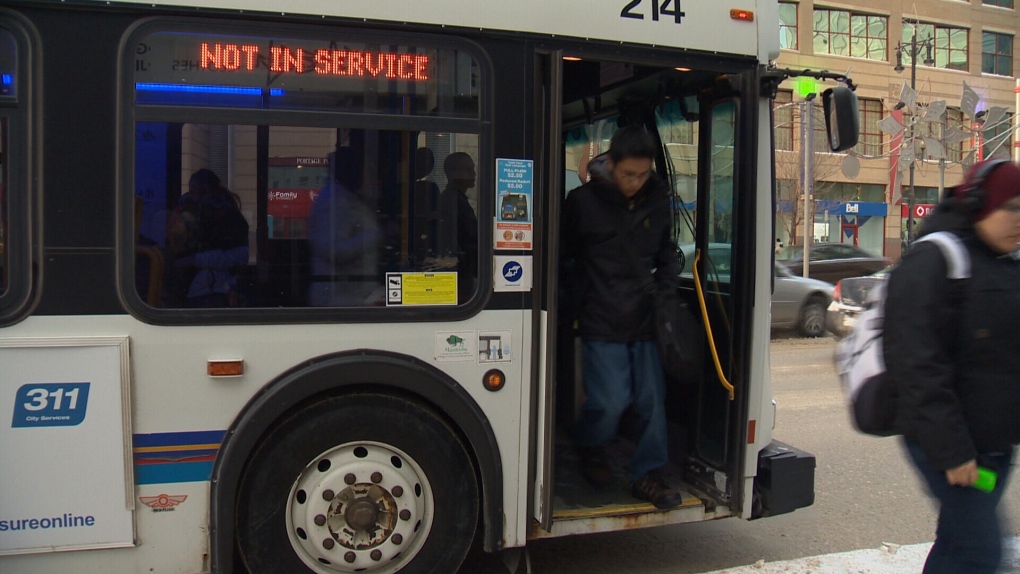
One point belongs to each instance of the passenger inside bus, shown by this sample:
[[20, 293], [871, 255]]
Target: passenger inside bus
[[426, 201], [345, 239], [458, 227], [208, 244]]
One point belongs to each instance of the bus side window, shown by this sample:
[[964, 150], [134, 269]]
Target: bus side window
[[321, 228], [3, 204]]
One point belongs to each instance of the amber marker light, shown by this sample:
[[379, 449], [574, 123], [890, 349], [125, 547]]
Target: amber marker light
[[493, 380], [745, 15], [231, 368]]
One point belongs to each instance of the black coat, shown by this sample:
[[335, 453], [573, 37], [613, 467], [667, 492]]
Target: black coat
[[952, 348], [601, 273]]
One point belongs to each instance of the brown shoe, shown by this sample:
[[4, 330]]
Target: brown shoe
[[594, 467], [654, 489]]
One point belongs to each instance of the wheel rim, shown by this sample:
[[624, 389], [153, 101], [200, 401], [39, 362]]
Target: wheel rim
[[814, 320], [360, 507]]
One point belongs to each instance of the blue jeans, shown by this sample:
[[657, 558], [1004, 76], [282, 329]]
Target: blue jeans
[[616, 376], [968, 539]]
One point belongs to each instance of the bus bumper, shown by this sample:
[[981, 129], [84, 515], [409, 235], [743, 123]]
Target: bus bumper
[[785, 480]]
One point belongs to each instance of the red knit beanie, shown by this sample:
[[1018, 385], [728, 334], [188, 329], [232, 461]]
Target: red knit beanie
[[1000, 186]]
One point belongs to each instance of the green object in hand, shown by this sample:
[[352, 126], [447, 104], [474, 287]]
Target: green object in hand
[[986, 479]]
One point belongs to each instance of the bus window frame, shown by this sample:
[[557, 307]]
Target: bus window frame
[[129, 113], [20, 293]]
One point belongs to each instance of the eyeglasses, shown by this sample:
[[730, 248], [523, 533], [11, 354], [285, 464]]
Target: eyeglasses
[[634, 176]]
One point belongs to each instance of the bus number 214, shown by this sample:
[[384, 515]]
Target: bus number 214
[[659, 8]]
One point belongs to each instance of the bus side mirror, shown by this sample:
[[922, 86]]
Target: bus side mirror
[[842, 123]]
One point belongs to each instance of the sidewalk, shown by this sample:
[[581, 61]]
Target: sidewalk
[[889, 559]]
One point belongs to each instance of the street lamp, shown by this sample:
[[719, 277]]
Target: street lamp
[[914, 49]]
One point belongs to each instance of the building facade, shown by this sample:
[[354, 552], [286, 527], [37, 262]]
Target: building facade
[[940, 45]]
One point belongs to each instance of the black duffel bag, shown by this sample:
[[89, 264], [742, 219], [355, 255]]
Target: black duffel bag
[[676, 333]]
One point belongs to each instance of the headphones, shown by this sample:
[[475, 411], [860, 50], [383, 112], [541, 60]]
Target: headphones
[[971, 198]]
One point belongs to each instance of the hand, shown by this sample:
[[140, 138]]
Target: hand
[[964, 475]]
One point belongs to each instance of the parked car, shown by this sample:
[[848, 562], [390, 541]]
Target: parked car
[[848, 301], [832, 261], [797, 303]]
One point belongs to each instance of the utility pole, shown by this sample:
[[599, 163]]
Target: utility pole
[[807, 139], [914, 47]]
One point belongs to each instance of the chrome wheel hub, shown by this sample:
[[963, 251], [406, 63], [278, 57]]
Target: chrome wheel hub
[[359, 507]]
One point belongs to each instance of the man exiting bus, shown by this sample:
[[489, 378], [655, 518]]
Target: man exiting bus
[[620, 216]]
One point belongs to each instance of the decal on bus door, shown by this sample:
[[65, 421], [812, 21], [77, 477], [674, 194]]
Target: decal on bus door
[[50, 404], [659, 8]]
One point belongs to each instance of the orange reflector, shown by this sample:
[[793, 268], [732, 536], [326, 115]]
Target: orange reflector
[[751, 424], [232, 368], [745, 15], [493, 380]]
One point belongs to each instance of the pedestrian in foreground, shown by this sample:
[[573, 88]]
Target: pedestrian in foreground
[[951, 348]]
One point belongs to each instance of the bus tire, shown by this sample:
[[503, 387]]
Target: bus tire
[[358, 483]]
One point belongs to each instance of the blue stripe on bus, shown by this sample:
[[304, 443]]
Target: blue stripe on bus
[[175, 456], [173, 472], [179, 438]]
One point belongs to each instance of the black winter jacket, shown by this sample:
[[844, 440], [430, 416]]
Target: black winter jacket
[[601, 271], [951, 348]]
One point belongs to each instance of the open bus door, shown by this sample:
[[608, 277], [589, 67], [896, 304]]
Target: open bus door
[[703, 421], [714, 406]]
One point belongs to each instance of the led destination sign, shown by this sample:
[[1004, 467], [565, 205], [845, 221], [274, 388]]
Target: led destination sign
[[283, 60], [181, 58], [340, 71]]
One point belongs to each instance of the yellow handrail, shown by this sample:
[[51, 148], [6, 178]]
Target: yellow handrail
[[708, 327]]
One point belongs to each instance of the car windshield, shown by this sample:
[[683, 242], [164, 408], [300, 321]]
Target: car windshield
[[718, 261], [790, 252]]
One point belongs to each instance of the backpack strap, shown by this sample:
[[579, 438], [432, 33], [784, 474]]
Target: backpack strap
[[955, 252]]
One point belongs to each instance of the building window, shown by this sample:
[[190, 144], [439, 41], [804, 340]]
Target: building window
[[788, 25], [933, 131], [949, 49], [821, 137], [844, 33], [782, 120], [1003, 3], [922, 194], [871, 193], [997, 54], [998, 139], [954, 151], [870, 141]]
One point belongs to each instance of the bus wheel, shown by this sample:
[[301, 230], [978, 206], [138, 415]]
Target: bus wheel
[[359, 483]]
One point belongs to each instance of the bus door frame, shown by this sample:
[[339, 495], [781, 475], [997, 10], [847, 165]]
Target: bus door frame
[[744, 231], [548, 96]]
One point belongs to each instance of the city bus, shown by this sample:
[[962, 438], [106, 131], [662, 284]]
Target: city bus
[[280, 288]]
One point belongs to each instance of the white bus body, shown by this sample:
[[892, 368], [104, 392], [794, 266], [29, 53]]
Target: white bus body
[[149, 419]]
